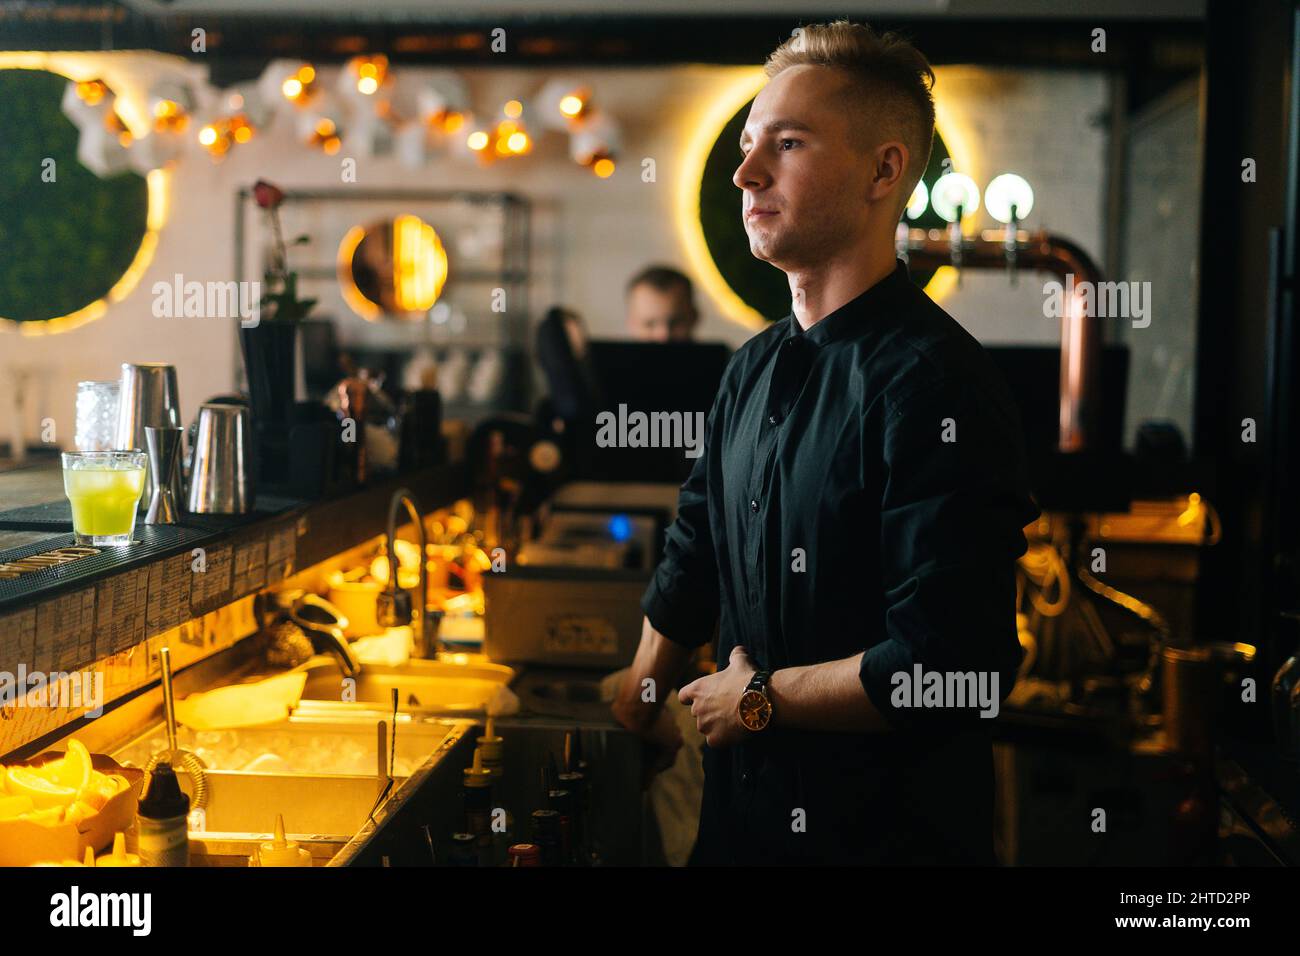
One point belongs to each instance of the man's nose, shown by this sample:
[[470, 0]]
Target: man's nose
[[752, 172]]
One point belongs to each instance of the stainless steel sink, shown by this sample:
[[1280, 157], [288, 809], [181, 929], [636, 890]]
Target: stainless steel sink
[[296, 746], [313, 805], [423, 686], [324, 777]]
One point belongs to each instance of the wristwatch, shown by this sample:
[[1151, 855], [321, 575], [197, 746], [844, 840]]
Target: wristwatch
[[755, 707]]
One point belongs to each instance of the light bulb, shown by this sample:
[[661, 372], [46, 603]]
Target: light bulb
[[1008, 193], [952, 190], [919, 201]]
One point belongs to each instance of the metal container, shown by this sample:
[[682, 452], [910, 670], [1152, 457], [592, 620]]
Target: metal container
[[1202, 691], [221, 481], [148, 396], [579, 617]]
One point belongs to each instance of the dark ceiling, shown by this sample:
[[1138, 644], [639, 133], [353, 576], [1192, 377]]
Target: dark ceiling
[[1154, 54]]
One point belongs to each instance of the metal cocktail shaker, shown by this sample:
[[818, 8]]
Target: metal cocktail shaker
[[221, 480], [148, 396]]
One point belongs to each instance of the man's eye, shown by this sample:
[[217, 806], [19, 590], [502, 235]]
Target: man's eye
[[790, 141]]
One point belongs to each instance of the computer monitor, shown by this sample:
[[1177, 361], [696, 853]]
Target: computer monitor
[[652, 377]]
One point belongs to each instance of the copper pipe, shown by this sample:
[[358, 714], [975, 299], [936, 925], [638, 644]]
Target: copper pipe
[[1080, 332]]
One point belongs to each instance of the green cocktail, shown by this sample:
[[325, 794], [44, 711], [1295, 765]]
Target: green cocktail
[[104, 488]]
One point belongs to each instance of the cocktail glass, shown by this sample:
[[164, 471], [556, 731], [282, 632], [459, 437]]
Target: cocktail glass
[[104, 488]]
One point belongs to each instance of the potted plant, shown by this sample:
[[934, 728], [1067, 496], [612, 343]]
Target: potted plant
[[270, 346]]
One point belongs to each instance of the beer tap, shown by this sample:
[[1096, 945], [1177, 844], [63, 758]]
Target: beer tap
[[1009, 199], [955, 195]]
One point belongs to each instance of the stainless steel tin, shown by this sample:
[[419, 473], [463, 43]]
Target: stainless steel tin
[[148, 396], [221, 481]]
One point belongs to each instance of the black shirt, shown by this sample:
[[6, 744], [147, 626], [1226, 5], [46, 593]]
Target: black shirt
[[862, 488]]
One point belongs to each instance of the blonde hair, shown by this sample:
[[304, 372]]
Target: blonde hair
[[890, 83]]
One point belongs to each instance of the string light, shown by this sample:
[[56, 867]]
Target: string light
[[370, 72], [297, 87], [92, 92], [572, 106]]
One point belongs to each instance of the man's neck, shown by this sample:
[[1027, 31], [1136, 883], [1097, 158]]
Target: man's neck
[[819, 290]]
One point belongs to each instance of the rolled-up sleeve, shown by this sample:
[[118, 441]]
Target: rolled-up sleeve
[[952, 512], [681, 600]]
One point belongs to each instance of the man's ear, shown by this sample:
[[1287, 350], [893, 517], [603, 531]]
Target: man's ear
[[891, 159]]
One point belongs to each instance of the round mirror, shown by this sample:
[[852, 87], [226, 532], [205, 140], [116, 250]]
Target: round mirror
[[393, 269]]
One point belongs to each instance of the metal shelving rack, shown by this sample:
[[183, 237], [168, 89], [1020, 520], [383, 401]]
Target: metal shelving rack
[[452, 213]]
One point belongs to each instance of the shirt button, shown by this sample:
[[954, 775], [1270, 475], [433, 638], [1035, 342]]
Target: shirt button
[[772, 420], [753, 505], [746, 777]]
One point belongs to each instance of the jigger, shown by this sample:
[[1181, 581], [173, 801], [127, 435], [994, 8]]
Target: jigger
[[164, 446]]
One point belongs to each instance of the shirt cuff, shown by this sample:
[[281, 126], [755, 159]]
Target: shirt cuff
[[879, 665], [686, 626]]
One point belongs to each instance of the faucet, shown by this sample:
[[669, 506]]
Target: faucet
[[393, 606], [323, 624]]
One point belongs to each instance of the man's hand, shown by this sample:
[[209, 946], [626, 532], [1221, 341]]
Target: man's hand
[[639, 704], [662, 742], [714, 700]]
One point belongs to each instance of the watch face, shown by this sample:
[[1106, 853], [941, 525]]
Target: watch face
[[755, 710]]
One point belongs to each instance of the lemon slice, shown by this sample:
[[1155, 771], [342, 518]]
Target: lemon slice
[[11, 807], [74, 770], [25, 781], [49, 816]]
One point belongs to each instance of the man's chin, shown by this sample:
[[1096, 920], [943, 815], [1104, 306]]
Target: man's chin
[[762, 251]]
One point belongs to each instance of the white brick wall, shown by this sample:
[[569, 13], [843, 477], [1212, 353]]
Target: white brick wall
[[589, 235]]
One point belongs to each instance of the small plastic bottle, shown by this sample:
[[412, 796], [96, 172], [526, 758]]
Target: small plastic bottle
[[164, 838], [492, 745], [281, 851], [478, 807], [119, 856]]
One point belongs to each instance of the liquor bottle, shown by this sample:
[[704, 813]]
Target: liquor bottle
[[464, 850], [524, 854], [561, 801], [546, 834]]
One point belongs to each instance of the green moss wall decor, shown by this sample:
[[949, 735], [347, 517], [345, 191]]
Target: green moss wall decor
[[65, 243]]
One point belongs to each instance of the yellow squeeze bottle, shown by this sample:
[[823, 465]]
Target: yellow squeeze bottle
[[280, 851], [119, 856]]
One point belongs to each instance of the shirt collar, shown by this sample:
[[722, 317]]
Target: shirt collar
[[847, 317]]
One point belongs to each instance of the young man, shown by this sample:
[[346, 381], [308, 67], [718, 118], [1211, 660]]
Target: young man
[[854, 522], [661, 306]]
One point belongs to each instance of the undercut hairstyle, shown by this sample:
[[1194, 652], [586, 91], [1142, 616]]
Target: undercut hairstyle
[[664, 279], [889, 85]]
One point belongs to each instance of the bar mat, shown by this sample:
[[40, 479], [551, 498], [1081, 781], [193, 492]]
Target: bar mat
[[57, 516], [51, 516], [151, 542]]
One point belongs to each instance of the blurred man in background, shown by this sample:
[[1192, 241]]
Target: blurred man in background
[[661, 306]]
